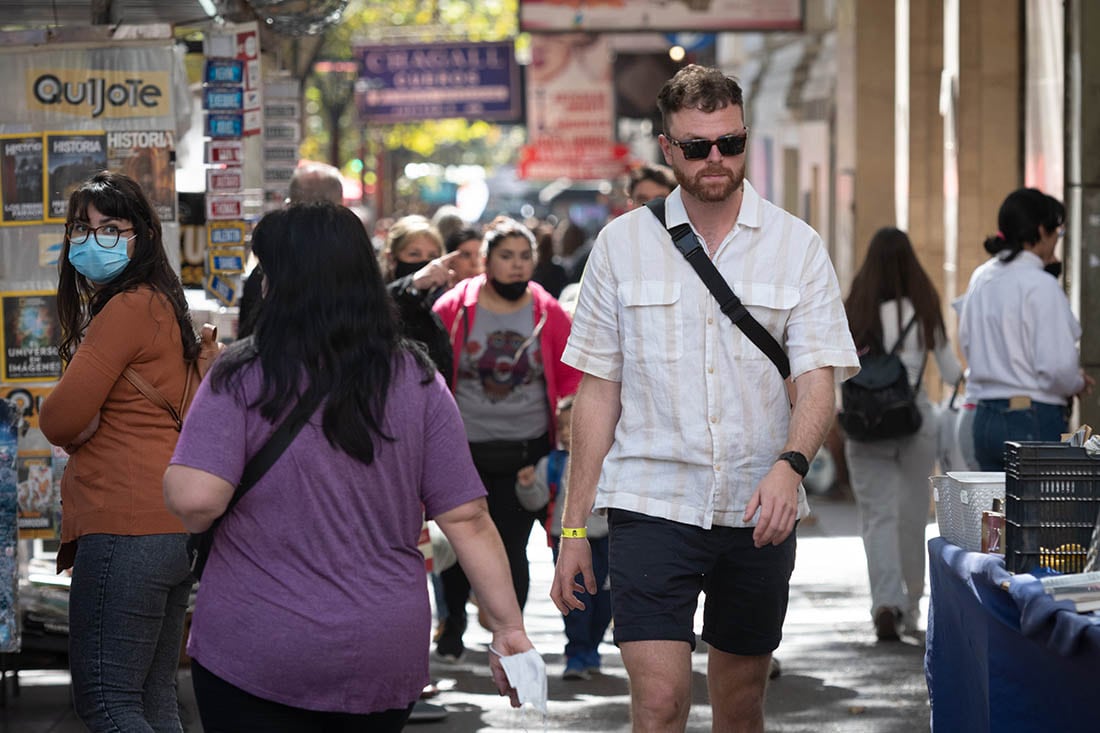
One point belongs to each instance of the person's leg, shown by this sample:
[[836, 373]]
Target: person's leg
[[746, 603], [989, 433], [917, 460], [657, 570], [1053, 421], [160, 695], [440, 600], [456, 590], [660, 684], [123, 618], [514, 523], [577, 645], [601, 602], [873, 474], [736, 685]]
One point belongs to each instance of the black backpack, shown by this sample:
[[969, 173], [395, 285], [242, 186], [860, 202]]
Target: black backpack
[[879, 403]]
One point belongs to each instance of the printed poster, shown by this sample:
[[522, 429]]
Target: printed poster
[[21, 179], [38, 467], [570, 110], [71, 159], [30, 336], [9, 574], [149, 157]]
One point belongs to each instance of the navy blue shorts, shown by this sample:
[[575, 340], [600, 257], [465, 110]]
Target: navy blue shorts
[[659, 567]]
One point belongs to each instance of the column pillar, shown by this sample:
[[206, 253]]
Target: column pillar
[[1083, 184]]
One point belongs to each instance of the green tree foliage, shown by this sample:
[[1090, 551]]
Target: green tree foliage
[[451, 141]]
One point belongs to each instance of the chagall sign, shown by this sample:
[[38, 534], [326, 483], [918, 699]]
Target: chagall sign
[[404, 83]]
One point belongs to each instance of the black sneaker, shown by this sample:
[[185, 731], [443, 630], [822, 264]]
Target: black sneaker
[[887, 621]]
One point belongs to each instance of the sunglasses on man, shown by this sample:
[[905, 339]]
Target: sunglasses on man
[[699, 148]]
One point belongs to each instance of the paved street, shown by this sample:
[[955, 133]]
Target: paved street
[[835, 676]]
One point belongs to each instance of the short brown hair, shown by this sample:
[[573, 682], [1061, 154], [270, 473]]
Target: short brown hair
[[698, 87]]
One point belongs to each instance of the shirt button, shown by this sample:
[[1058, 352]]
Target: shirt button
[[710, 321], [710, 370], [713, 420], [717, 468]]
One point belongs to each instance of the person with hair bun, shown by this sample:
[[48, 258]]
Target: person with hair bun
[[1018, 333]]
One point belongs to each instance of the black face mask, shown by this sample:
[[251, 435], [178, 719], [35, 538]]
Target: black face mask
[[407, 268], [1054, 268], [509, 291]]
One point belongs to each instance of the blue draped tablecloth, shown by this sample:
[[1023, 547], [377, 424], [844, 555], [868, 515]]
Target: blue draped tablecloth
[[1001, 655]]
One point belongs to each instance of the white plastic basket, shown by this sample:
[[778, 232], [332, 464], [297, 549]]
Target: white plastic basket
[[961, 497]]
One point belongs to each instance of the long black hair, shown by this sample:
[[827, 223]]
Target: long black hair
[[326, 325], [78, 300], [891, 271], [1018, 221]]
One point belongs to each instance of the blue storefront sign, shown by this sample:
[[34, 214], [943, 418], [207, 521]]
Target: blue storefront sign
[[406, 83]]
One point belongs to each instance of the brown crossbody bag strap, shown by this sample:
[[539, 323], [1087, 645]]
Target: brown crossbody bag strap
[[153, 394]]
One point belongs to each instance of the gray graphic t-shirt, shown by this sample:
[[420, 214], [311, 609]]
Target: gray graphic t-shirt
[[501, 391]]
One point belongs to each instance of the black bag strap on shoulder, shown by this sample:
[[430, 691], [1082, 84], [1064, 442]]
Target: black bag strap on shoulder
[[199, 544], [275, 446], [693, 251], [904, 332], [924, 361]]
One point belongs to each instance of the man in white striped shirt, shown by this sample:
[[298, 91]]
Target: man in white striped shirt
[[683, 432]]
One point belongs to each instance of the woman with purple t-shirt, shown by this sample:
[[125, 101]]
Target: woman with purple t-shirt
[[313, 610]]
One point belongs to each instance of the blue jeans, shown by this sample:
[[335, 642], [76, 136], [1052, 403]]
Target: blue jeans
[[584, 630], [127, 604], [994, 423]]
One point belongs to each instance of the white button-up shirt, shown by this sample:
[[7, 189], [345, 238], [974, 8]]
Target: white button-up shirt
[[704, 411], [1018, 334]]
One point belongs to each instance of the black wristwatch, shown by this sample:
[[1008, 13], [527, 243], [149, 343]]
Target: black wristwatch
[[798, 462]]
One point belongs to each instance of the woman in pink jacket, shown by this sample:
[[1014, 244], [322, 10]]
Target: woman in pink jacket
[[508, 335]]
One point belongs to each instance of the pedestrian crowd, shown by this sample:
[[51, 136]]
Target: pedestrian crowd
[[651, 396]]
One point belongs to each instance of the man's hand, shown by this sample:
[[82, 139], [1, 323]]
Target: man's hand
[[526, 476], [437, 273], [574, 558], [777, 499]]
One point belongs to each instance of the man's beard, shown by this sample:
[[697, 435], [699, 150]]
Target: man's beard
[[710, 192]]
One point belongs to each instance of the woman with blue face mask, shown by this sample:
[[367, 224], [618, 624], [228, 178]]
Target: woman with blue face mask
[[121, 306]]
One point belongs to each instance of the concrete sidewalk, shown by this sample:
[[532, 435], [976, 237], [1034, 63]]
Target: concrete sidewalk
[[836, 677]]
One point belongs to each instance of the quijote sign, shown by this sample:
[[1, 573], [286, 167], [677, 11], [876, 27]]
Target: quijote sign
[[98, 94]]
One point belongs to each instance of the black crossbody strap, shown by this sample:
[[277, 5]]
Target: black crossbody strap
[[279, 441], [692, 249], [904, 333], [920, 374]]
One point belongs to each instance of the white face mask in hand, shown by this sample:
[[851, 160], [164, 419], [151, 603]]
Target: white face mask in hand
[[527, 674]]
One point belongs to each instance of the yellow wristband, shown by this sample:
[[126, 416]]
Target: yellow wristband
[[579, 533]]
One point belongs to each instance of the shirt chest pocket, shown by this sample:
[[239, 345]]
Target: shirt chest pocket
[[771, 305], [652, 321]]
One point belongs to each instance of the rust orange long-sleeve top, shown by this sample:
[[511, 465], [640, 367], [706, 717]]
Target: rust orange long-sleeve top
[[112, 484]]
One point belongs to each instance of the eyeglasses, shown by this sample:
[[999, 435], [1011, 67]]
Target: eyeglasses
[[699, 148], [78, 233]]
